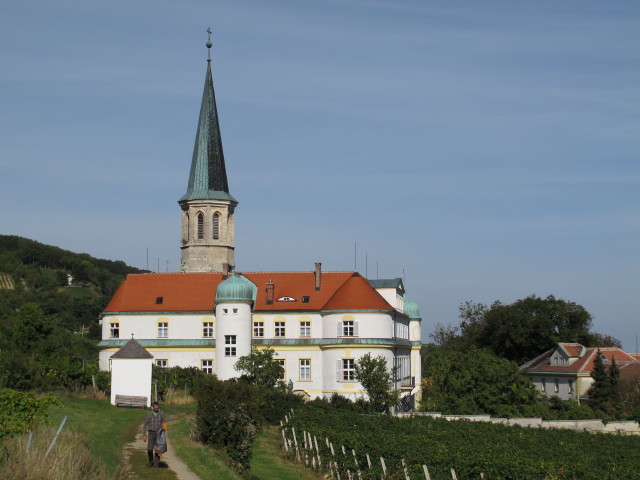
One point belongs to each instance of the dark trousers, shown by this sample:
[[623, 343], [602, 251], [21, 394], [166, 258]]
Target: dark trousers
[[151, 442]]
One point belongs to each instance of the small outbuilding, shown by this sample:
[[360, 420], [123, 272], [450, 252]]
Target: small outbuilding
[[131, 375]]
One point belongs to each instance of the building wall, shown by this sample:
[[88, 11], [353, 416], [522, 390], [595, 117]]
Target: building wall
[[131, 376]]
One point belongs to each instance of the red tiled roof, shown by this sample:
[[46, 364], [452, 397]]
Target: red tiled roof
[[572, 349], [583, 364], [184, 292]]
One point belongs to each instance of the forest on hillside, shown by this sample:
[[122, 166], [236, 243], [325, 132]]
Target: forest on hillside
[[48, 327]]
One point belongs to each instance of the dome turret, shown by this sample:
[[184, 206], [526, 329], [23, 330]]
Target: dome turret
[[411, 309], [237, 288]]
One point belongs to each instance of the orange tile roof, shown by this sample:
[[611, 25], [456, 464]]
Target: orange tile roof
[[184, 292], [572, 349], [179, 292], [583, 364]]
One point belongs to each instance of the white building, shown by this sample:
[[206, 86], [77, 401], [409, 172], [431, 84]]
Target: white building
[[319, 323]]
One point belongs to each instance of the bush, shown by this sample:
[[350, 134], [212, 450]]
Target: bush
[[20, 412]]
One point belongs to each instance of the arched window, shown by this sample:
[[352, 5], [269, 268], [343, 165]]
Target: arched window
[[216, 226], [188, 228], [200, 226]]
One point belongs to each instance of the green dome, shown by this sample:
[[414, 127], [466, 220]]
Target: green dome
[[411, 308], [236, 288]]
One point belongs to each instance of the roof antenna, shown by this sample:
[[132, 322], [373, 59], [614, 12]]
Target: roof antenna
[[209, 45]]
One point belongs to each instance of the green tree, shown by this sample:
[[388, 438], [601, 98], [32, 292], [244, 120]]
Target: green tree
[[377, 381], [601, 390], [260, 367], [473, 381], [32, 325], [528, 327]]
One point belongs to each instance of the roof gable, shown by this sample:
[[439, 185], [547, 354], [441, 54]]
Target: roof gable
[[132, 349], [357, 294]]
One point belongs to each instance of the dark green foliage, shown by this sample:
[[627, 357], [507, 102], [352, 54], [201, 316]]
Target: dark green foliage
[[377, 381], [229, 413], [20, 412], [176, 378], [473, 381], [42, 319], [260, 367], [471, 448], [604, 394]]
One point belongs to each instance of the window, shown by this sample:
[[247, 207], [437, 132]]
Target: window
[[305, 299], [161, 362], [235, 311], [305, 369], [207, 329], [114, 330], [280, 329], [282, 363], [225, 310], [556, 386], [207, 366], [229, 345], [543, 385], [258, 329], [305, 329], [200, 226], [348, 369], [163, 329], [348, 328], [216, 226], [159, 300]]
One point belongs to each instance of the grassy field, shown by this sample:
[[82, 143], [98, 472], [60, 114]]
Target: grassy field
[[107, 429]]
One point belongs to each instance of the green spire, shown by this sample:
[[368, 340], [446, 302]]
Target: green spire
[[208, 177]]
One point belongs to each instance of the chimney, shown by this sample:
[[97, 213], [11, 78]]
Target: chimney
[[318, 274], [270, 288]]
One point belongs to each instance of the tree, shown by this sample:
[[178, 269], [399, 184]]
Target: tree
[[601, 389], [32, 326], [603, 340], [528, 327], [377, 381], [260, 367], [473, 381]]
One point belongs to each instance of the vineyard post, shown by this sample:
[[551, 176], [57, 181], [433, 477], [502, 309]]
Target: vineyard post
[[481, 475], [453, 475], [404, 467], [355, 459], [315, 441], [29, 441], [284, 441], [368, 460], [55, 437], [426, 472], [295, 440], [384, 467]]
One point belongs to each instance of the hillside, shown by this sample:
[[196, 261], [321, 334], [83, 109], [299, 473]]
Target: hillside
[[34, 272]]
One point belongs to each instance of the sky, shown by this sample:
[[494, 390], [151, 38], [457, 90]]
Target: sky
[[482, 151]]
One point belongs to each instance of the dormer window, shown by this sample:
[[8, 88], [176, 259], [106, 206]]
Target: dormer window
[[305, 299], [286, 299], [159, 300]]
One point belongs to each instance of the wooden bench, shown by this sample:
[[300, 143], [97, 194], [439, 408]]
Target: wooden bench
[[130, 401]]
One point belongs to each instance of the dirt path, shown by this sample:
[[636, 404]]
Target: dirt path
[[173, 463]]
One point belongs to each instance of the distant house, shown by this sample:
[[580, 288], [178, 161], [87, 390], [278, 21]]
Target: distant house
[[565, 370]]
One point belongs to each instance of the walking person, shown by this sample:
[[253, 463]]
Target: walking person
[[150, 430]]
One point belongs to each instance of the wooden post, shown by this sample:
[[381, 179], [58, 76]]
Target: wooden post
[[368, 461], [404, 467], [453, 475], [384, 467], [93, 382], [315, 441], [284, 441], [355, 459], [426, 472]]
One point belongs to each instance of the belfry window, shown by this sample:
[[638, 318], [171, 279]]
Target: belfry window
[[200, 226], [216, 226]]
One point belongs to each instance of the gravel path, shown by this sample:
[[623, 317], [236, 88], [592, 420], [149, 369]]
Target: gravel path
[[139, 447]]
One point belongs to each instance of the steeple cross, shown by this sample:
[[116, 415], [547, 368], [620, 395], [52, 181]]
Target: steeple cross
[[209, 45]]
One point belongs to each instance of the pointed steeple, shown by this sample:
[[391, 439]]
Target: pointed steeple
[[208, 176]]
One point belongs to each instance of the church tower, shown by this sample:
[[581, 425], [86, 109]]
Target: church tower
[[207, 207]]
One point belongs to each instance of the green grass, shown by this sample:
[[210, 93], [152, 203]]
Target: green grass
[[106, 427], [201, 460], [268, 461]]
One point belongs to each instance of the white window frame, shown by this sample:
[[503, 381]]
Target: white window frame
[[348, 328], [345, 370], [304, 369], [283, 364], [258, 329], [114, 327], [163, 329], [206, 365], [280, 329], [207, 329], [230, 349], [162, 362], [305, 328]]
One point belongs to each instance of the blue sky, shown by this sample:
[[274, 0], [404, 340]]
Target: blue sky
[[484, 150]]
